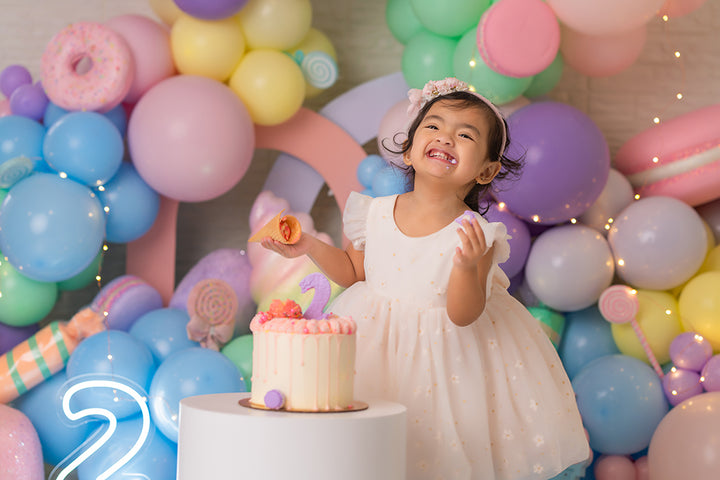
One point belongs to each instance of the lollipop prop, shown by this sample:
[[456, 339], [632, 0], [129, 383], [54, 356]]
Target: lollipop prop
[[619, 304], [284, 229], [212, 306]]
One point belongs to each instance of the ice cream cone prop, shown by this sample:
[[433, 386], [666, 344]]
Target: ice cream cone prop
[[285, 229]]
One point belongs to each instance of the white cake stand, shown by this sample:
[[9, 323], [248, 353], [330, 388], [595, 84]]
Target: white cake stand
[[220, 439]]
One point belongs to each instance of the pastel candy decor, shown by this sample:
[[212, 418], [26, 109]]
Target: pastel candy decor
[[20, 453]]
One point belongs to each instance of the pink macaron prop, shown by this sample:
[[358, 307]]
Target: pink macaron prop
[[619, 304], [124, 300], [518, 38]]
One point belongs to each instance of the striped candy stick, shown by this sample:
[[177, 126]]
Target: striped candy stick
[[619, 304], [44, 354]]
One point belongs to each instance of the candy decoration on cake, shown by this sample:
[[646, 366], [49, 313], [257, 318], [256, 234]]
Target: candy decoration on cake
[[274, 399], [212, 306], [619, 304], [45, 353], [283, 228], [318, 282]]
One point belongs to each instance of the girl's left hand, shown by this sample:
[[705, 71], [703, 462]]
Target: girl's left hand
[[473, 247]]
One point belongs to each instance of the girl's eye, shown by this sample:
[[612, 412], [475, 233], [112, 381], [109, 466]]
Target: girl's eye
[[465, 135], [432, 127]]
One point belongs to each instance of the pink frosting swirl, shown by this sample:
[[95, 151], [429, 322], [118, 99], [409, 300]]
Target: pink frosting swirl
[[333, 324]]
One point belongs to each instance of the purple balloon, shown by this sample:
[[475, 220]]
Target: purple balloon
[[567, 163], [30, 101], [690, 351], [210, 9], [12, 336], [12, 77], [519, 243], [711, 374], [680, 384]]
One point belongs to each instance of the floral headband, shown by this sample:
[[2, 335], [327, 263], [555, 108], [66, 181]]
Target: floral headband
[[418, 99]]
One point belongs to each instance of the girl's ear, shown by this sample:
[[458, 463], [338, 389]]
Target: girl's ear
[[406, 159], [488, 173]]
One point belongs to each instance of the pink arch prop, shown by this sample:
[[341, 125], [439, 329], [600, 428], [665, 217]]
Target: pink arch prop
[[308, 136]]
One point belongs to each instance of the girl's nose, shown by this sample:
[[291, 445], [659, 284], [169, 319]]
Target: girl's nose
[[444, 138]]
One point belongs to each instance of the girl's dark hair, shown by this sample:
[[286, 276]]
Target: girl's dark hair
[[510, 167]]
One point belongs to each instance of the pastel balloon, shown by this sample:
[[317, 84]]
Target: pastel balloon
[[84, 278], [270, 84], [553, 136], [543, 82], [615, 196], [710, 212], [552, 322], [519, 238], [681, 444], [659, 320], [621, 403], [189, 372], [29, 100], [24, 301], [12, 336], [602, 55], [614, 467], [389, 180], [276, 24], [52, 227], [314, 41], [149, 43], [21, 136], [699, 306], [5, 108], [710, 374], [427, 56], [210, 10], [239, 351], [368, 168], [163, 331], [13, 76], [690, 351], [658, 243], [166, 10], [208, 48], [587, 336], [401, 20], [569, 266], [130, 204], [392, 132], [678, 8], [459, 16], [183, 119], [680, 384], [606, 17], [20, 451], [116, 115]]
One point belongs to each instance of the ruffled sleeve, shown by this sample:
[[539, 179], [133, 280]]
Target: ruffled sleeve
[[496, 235], [355, 219]]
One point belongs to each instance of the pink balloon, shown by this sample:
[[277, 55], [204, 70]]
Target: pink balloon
[[614, 467], [20, 450], [5, 108], [605, 17], [191, 138], [641, 468], [393, 131], [149, 44], [685, 442], [601, 56], [678, 8]]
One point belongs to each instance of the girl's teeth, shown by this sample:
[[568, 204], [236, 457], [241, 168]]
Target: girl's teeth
[[453, 161]]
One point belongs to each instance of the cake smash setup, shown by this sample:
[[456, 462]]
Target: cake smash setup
[[239, 367]]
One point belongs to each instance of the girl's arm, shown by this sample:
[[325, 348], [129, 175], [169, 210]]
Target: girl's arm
[[468, 277], [343, 267]]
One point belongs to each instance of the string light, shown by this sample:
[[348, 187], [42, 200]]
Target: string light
[[678, 57]]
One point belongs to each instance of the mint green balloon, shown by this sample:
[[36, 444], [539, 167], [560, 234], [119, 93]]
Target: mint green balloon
[[84, 278], [546, 80], [469, 67], [24, 301], [401, 20], [239, 351], [552, 322], [451, 18], [427, 56]]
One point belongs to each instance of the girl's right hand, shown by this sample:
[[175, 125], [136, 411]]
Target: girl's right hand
[[301, 247]]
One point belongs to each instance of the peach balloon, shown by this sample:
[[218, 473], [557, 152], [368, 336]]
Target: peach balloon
[[641, 468], [167, 10], [605, 17], [614, 467], [685, 443], [20, 451], [392, 131], [149, 43], [678, 8], [601, 55]]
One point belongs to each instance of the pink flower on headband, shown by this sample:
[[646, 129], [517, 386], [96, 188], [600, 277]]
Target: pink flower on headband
[[418, 98]]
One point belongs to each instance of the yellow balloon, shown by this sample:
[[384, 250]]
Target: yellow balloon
[[710, 264], [208, 48], [279, 24], [659, 321], [314, 41], [166, 10], [699, 305], [270, 84]]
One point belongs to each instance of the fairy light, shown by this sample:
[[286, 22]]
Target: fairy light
[[677, 55], [573, 221], [655, 159], [536, 218], [62, 174], [637, 196], [621, 262]]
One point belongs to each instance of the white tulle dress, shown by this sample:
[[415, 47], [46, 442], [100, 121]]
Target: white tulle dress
[[487, 401]]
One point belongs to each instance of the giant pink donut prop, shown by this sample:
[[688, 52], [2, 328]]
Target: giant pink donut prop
[[678, 158], [102, 87]]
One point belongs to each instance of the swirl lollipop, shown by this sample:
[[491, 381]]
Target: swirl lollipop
[[319, 69], [212, 305], [619, 304], [14, 170]]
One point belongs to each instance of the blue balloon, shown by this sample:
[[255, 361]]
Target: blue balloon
[[20, 136], [587, 336], [189, 372], [117, 116], [621, 402], [164, 332], [389, 181], [86, 146], [53, 113], [51, 228], [42, 405], [156, 460], [368, 167], [111, 355]]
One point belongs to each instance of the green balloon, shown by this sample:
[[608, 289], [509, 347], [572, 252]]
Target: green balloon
[[451, 18], [239, 351], [546, 80], [552, 322], [427, 56], [3, 194], [401, 20], [24, 301], [469, 67], [84, 278]]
